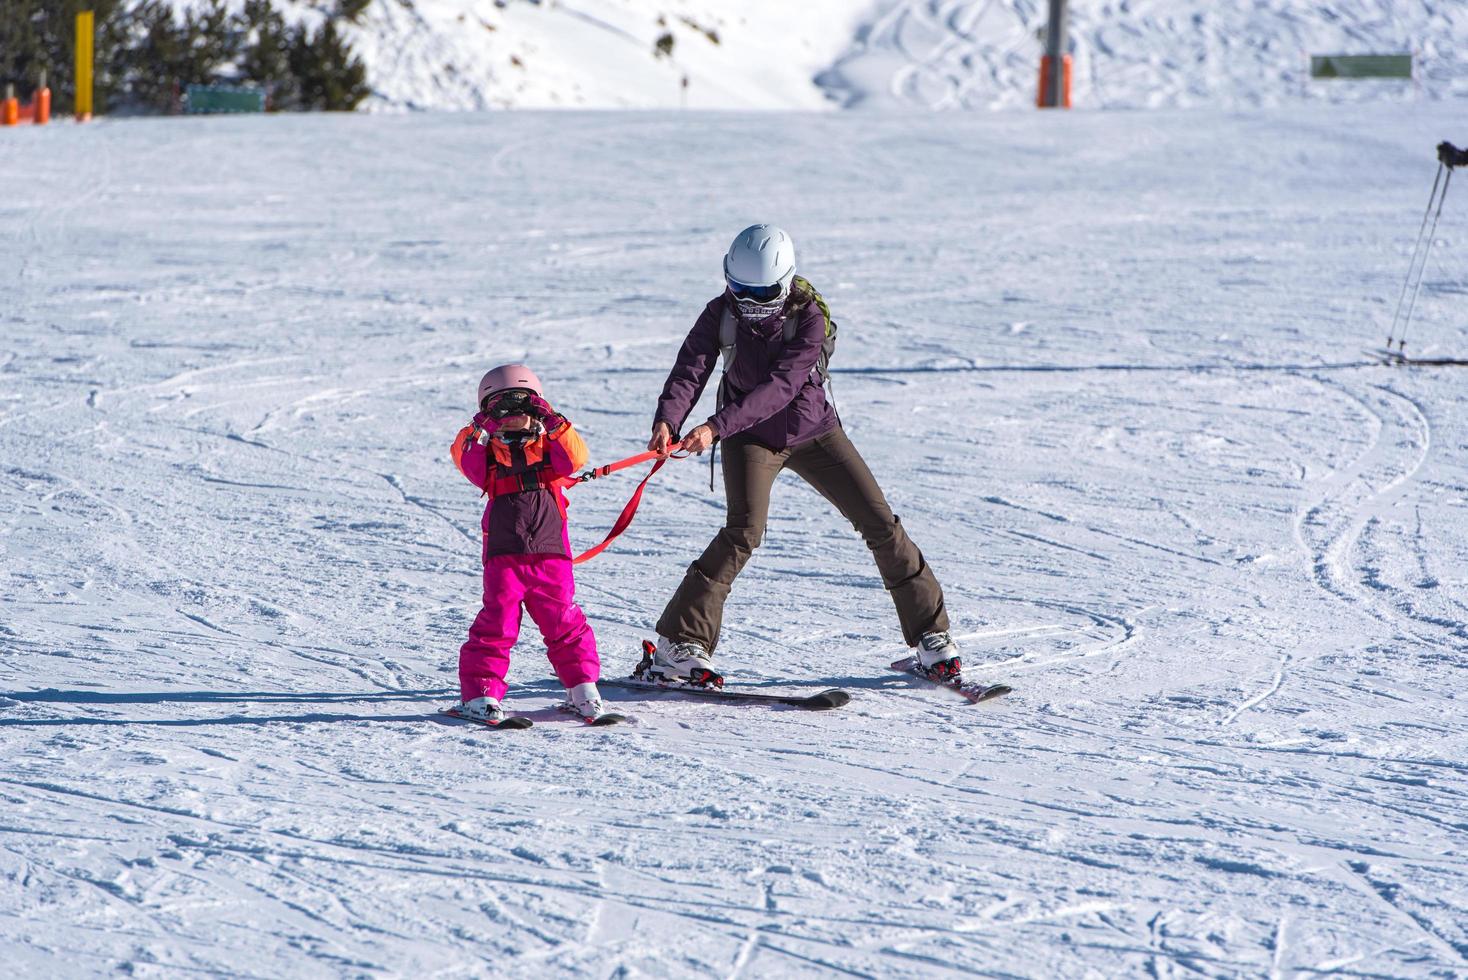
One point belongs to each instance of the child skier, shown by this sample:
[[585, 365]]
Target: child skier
[[514, 450]]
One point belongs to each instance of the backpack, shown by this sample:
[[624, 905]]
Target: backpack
[[801, 293]]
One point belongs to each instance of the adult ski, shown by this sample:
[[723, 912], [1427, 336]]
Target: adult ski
[[972, 690], [820, 701], [1402, 360], [712, 687], [509, 723]]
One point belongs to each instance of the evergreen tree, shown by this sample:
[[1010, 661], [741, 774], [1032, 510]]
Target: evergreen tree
[[22, 44], [266, 58], [170, 54], [146, 53], [330, 76], [40, 35], [352, 10], [156, 56]]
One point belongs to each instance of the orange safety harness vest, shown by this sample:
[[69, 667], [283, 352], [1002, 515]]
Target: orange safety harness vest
[[540, 477]]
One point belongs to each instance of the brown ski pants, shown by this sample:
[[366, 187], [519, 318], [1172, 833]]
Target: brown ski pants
[[831, 465]]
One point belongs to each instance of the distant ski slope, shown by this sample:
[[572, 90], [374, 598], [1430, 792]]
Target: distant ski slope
[[945, 54], [469, 54], [928, 54]]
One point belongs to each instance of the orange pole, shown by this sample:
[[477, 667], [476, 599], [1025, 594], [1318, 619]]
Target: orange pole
[[10, 111], [43, 107], [1042, 99]]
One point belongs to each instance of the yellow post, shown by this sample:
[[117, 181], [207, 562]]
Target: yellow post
[[84, 29]]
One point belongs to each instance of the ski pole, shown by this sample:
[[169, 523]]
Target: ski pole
[[1413, 281], [1426, 252], [1412, 263]]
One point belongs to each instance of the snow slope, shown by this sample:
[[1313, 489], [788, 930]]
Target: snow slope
[[928, 54], [1120, 399], [1133, 54], [474, 54]]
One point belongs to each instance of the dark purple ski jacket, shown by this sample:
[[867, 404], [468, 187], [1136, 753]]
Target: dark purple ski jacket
[[774, 393]]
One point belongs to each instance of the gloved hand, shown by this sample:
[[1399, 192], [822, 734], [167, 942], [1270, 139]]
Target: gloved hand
[[486, 424], [541, 410], [1450, 155]]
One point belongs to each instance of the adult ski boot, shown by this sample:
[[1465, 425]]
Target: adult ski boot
[[678, 663], [938, 656]]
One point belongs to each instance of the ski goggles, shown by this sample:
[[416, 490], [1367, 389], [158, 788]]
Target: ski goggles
[[517, 437], [758, 294], [513, 402]]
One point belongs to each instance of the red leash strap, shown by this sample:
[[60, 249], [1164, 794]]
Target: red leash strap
[[622, 464], [624, 520]]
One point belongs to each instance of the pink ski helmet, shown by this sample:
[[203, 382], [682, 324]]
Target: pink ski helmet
[[507, 377]]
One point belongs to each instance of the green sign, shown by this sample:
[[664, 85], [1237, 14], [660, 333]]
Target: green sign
[[224, 98], [1361, 66]]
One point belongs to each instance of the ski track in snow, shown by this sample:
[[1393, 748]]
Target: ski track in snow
[[1123, 408]]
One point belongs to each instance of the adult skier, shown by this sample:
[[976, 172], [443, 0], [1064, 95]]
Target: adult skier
[[775, 333]]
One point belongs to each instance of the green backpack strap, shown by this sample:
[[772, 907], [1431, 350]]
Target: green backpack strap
[[828, 346], [729, 332], [803, 285]]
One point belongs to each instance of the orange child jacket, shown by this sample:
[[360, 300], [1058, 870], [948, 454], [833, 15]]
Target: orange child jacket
[[526, 510]]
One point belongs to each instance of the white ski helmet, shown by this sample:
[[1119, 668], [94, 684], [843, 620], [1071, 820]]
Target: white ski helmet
[[759, 268], [506, 377]]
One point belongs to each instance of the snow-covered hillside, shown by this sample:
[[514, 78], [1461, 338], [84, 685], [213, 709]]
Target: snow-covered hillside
[[975, 54], [897, 53], [1120, 400], [461, 54]]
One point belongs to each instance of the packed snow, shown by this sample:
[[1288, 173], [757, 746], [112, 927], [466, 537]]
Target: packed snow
[[930, 54], [1111, 368]]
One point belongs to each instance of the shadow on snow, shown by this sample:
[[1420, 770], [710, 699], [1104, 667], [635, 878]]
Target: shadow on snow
[[51, 695]]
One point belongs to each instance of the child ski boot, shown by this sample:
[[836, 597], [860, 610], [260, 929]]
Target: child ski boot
[[585, 700], [488, 712]]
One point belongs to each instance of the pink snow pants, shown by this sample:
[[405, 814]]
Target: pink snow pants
[[545, 586]]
